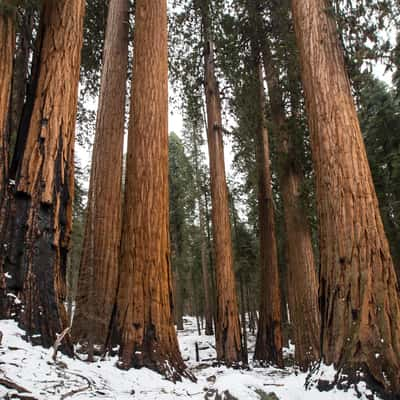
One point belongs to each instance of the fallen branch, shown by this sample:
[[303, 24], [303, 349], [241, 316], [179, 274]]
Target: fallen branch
[[21, 390], [58, 341]]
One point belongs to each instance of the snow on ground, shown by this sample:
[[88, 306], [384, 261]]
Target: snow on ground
[[32, 368]]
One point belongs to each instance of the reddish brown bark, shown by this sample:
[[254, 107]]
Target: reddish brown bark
[[302, 279], [98, 276], [359, 294], [44, 187], [269, 335], [145, 309], [227, 325], [7, 43]]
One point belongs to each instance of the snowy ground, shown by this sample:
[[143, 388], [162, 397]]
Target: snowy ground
[[32, 368]]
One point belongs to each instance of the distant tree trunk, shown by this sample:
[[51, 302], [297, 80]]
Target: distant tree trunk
[[145, 309], [98, 276], [203, 250], [359, 294], [227, 326], [204, 269], [44, 187], [269, 335], [178, 298], [7, 43], [302, 279]]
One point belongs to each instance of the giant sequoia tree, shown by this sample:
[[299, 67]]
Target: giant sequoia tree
[[98, 278], [145, 309], [45, 175], [227, 326], [359, 294]]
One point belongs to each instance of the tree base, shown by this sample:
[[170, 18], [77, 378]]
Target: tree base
[[326, 378]]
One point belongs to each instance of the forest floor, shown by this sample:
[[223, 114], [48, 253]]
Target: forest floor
[[28, 372]]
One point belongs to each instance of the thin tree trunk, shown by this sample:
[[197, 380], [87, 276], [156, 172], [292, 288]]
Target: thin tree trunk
[[203, 243], [44, 187], [359, 294], [7, 43], [269, 336], [98, 276], [228, 336], [145, 309]]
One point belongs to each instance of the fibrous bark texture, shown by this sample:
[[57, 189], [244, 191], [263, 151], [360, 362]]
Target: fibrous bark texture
[[359, 295], [7, 43], [98, 276], [44, 187], [227, 325], [269, 335], [145, 309]]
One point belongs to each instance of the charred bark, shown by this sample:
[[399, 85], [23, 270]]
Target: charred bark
[[44, 184]]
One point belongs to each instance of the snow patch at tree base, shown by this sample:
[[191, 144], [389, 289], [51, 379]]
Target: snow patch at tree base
[[33, 369]]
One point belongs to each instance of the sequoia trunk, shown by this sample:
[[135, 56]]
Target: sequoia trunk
[[269, 334], [98, 276], [227, 326], [7, 43], [359, 295], [45, 178], [145, 309]]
